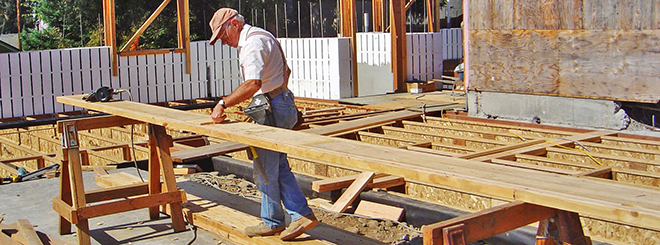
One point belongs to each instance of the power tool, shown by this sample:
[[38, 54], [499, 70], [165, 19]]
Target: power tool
[[103, 94], [23, 175]]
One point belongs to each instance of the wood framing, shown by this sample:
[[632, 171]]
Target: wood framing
[[377, 15], [349, 29], [183, 27], [399, 48]]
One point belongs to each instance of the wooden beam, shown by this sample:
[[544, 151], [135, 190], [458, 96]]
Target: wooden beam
[[399, 48], [379, 181], [182, 12], [110, 38], [430, 15], [152, 200], [352, 192], [117, 192], [152, 52], [622, 203], [377, 15], [144, 26], [65, 211], [489, 222], [501, 149], [348, 29]]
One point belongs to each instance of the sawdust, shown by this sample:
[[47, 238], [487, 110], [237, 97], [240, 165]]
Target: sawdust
[[386, 231]]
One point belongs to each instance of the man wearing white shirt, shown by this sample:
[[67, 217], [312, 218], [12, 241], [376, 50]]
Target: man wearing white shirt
[[265, 73]]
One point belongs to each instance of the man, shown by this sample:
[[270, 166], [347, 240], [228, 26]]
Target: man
[[264, 67]]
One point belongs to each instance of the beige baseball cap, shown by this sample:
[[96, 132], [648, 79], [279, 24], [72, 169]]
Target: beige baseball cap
[[219, 18]]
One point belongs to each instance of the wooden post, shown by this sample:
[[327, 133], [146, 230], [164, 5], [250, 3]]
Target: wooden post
[[184, 32], [164, 142], [18, 22], [377, 10], [399, 51], [430, 15], [348, 29], [109, 27]]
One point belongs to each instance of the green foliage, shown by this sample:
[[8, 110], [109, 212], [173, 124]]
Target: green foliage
[[50, 38]]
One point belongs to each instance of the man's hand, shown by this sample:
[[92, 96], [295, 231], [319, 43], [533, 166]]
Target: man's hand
[[218, 114]]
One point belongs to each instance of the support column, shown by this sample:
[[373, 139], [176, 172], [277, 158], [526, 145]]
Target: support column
[[399, 51], [348, 29]]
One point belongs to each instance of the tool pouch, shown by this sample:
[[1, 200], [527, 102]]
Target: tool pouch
[[259, 110]]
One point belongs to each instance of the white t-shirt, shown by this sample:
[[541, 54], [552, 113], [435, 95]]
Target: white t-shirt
[[260, 58]]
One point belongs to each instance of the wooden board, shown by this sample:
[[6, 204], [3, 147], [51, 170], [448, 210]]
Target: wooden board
[[601, 64], [352, 192], [636, 206], [379, 211]]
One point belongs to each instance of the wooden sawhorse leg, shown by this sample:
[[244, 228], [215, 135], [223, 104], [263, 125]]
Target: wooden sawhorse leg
[[76, 190], [161, 142]]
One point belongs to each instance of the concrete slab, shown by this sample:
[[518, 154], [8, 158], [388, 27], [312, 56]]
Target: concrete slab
[[32, 200]]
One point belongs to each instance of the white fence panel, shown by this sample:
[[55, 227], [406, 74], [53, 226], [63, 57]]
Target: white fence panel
[[30, 81]]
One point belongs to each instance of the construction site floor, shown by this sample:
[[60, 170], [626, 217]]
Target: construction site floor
[[31, 200]]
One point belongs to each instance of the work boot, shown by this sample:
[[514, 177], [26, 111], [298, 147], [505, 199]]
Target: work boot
[[299, 227], [262, 230]]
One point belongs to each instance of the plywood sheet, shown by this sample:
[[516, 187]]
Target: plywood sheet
[[603, 64], [514, 61]]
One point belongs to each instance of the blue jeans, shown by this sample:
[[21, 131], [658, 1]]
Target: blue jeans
[[282, 186]]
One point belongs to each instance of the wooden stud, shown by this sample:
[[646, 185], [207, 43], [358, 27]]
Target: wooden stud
[[152, 200], [348, 29], [377, 18], [65, 192], [399, 48], [430, 15], [352, 192]]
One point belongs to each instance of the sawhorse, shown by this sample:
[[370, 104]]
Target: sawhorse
[[73, 204]]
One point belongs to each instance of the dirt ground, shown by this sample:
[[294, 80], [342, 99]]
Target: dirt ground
[[391, 232]]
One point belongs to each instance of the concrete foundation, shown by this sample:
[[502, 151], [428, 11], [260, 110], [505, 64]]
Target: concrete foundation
[[573, 112]]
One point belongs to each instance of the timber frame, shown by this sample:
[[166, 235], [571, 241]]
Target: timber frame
[[183, 27]]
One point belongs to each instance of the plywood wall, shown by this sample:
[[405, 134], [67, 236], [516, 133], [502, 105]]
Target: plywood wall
[[608, 49]]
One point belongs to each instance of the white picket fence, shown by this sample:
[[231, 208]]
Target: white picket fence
[[30, 81], [426, 51]]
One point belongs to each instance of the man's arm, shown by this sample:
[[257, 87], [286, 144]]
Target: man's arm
[[242, 93]]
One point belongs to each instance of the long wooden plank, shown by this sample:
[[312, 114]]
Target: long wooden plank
[[625, 204]]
